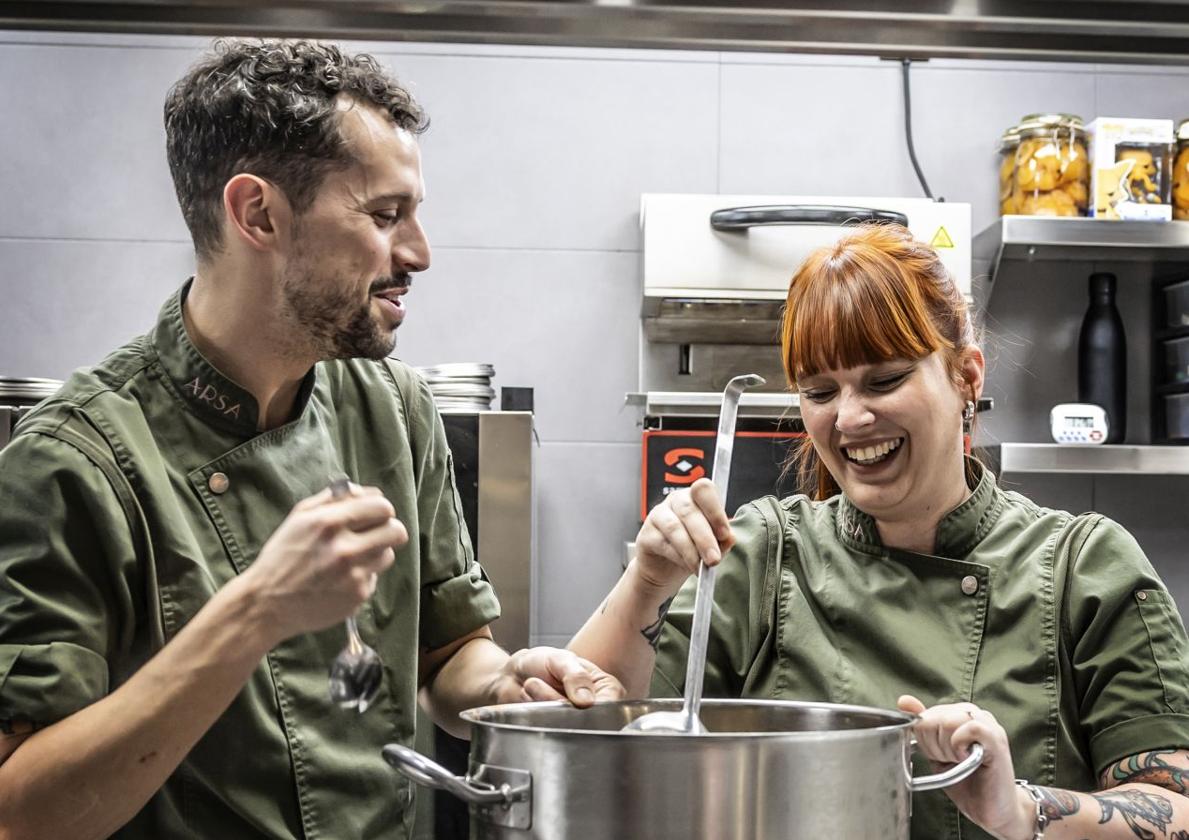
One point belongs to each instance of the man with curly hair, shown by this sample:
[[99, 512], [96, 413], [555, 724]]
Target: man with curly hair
[[174, 574]]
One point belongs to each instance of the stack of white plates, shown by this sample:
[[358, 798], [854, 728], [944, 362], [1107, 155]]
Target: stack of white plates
[[461, 386]]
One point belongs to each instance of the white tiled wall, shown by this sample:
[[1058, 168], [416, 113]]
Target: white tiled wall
[[534, 162]]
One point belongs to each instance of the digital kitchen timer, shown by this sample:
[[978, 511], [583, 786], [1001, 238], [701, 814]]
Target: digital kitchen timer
[[1078, 423]]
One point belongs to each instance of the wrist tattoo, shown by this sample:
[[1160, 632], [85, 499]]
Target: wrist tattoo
[[1057, 804], [652, 633]]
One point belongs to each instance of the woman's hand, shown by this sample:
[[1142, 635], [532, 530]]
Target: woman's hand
[[990, 796], [689, 526]]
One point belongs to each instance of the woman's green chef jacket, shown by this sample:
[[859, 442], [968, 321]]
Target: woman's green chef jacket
[[129, 498], [1056, 624]]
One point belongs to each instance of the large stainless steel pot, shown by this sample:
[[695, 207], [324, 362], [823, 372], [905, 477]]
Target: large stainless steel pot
[[767, 770]]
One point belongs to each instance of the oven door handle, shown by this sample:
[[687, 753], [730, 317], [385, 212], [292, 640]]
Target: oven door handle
[[734, 219]]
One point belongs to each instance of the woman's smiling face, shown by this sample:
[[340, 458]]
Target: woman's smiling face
[[890, 433]]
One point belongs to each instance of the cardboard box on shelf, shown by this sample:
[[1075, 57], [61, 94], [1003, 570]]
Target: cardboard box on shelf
[[1130, 161]]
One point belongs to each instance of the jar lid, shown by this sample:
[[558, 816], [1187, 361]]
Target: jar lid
[[1183, 130], [1048, 119], [1010, 138], [1039, 124]]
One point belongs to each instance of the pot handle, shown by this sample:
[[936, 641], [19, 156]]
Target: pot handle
[[498, 795], [955, 774], [430, 774]]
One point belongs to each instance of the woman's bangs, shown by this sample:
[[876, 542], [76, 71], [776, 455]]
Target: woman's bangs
[[840, 323]]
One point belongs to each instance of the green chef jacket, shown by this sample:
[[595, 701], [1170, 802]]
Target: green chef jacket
[[1056, 624], [144, 486]]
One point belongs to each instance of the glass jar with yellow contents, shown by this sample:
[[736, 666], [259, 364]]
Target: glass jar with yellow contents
[[1052, 171], [1008, 143], [1180, 173]]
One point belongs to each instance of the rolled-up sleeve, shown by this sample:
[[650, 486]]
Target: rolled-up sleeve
[[456, 596], [1129, 651], [62, 532]]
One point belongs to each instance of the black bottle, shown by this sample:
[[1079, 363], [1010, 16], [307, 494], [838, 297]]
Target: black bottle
[[1102, 356]]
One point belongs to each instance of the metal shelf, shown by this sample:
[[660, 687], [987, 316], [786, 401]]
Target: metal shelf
[[1115, 460], [1047, 238], [1155, 33], [708, 403]]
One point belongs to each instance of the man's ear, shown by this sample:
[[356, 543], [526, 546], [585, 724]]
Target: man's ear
[[255, 211]]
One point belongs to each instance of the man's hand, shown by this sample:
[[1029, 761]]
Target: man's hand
[[319, 565], [545, 673]]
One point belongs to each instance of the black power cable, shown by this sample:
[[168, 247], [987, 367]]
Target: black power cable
[[912, 154]]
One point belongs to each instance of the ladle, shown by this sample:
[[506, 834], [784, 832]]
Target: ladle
[[687, 721]]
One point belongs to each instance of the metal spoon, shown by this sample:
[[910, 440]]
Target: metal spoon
[[356, 672], [687, 722]]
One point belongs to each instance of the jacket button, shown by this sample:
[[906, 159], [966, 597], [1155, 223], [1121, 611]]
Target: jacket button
[[969, 585], [1143, 596], [218, 483]]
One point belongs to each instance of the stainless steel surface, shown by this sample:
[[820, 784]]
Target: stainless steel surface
[[1025, 239], [356, 672], [707, 403], [1066, 458], [955, 774], [707, 367], [7, 421], [460, 386], [1116, 31], [505, 544], [710, 321], [766, 770], [17, 397], [499, 796], [713, 297], [687, 720], [27, 390], [685, 258]]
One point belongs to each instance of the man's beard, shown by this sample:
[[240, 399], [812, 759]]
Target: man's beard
[[332, 321]]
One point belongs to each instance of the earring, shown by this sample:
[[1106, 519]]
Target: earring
[[968, 417]]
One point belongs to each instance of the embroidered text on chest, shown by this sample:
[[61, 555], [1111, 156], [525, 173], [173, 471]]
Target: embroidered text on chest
[[211, 396]]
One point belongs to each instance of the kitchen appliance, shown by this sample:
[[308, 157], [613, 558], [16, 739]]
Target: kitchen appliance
[[492, 455], [1079, 423], [716, 271], [17, 397], [767, 770]]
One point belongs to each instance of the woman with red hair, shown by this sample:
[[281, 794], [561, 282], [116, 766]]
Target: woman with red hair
[[911, 579]]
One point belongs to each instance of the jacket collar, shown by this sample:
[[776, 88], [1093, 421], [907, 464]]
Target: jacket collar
[[215, 398], [958, 532]]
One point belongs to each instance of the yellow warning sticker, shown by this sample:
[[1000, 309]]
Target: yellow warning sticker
[[941, 239]]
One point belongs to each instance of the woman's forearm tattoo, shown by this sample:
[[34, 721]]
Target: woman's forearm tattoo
[[1134, 806], [1149, 768], [652, 633], [1057, 804]]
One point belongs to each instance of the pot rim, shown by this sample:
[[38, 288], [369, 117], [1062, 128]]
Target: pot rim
[[906, 720]]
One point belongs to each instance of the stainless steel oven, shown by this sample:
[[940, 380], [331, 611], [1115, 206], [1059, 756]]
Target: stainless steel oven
[[716, 270]]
